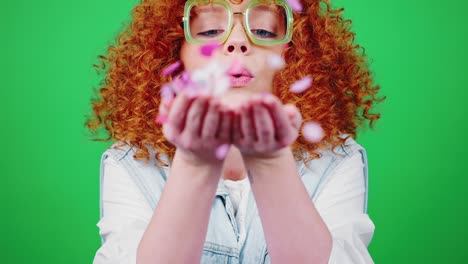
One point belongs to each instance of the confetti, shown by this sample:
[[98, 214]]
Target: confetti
[[222, 85], [171, 68], [200, 77], [221, 151], [312, 132], [208, 49], [301, 85], [182, 82], [161, 119], [295, 5], [167, 94], [185, 77], [275, 62], [212, 78], [178, 85], [192, 91]]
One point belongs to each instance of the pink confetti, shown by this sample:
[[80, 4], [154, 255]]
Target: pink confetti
[[295, 5], [208, 49], [313, 132], [185, 77], [171, 68], [301, 85], [178, 85], [182, 82], [221, 151], [161, 119], [167, 94]]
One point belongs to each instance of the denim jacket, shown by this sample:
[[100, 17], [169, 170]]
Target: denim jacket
[[221, 244]]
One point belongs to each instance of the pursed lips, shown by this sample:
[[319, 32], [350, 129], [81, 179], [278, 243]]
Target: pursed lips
[[239, 76]]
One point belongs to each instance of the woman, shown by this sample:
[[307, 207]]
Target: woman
[[167, 196]]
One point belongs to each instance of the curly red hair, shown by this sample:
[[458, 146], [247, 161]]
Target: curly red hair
[[322, 46]]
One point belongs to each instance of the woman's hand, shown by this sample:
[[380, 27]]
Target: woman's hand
[[264, 126], [197, 126]]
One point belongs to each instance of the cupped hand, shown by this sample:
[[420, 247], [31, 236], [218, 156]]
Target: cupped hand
[[197, 125], [263, 126]]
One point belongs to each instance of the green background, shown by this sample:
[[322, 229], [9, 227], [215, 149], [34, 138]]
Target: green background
[[50, 168]]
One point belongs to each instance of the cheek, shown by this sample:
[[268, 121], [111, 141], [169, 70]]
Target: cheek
[[191, 57], [267, 73], [267, 77]]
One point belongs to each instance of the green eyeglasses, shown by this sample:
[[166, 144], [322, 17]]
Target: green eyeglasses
[[265, 22]]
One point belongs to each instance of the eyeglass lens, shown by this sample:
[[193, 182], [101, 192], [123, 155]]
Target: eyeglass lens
[[266, 22]]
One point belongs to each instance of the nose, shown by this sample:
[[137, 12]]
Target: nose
[[238, 41]]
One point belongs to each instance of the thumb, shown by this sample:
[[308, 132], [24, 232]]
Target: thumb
[[294, 115]]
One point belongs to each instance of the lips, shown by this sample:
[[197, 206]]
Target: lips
[[239, 75], [240, 81]]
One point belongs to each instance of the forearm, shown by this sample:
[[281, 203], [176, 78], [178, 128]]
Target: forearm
[[177, 230], [294, 230]]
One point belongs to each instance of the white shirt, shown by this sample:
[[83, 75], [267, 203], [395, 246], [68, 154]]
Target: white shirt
[[238, 194], [340, 203]]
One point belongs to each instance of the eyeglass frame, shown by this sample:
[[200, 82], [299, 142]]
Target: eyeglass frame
[[289, 21]]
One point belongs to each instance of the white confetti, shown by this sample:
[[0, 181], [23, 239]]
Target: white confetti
[[212, 78], [275, 61], [313, 132], [222, 85], [301, 85]]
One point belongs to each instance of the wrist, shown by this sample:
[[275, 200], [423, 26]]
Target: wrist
[[267, 158], [197, 174], [192, 160]]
